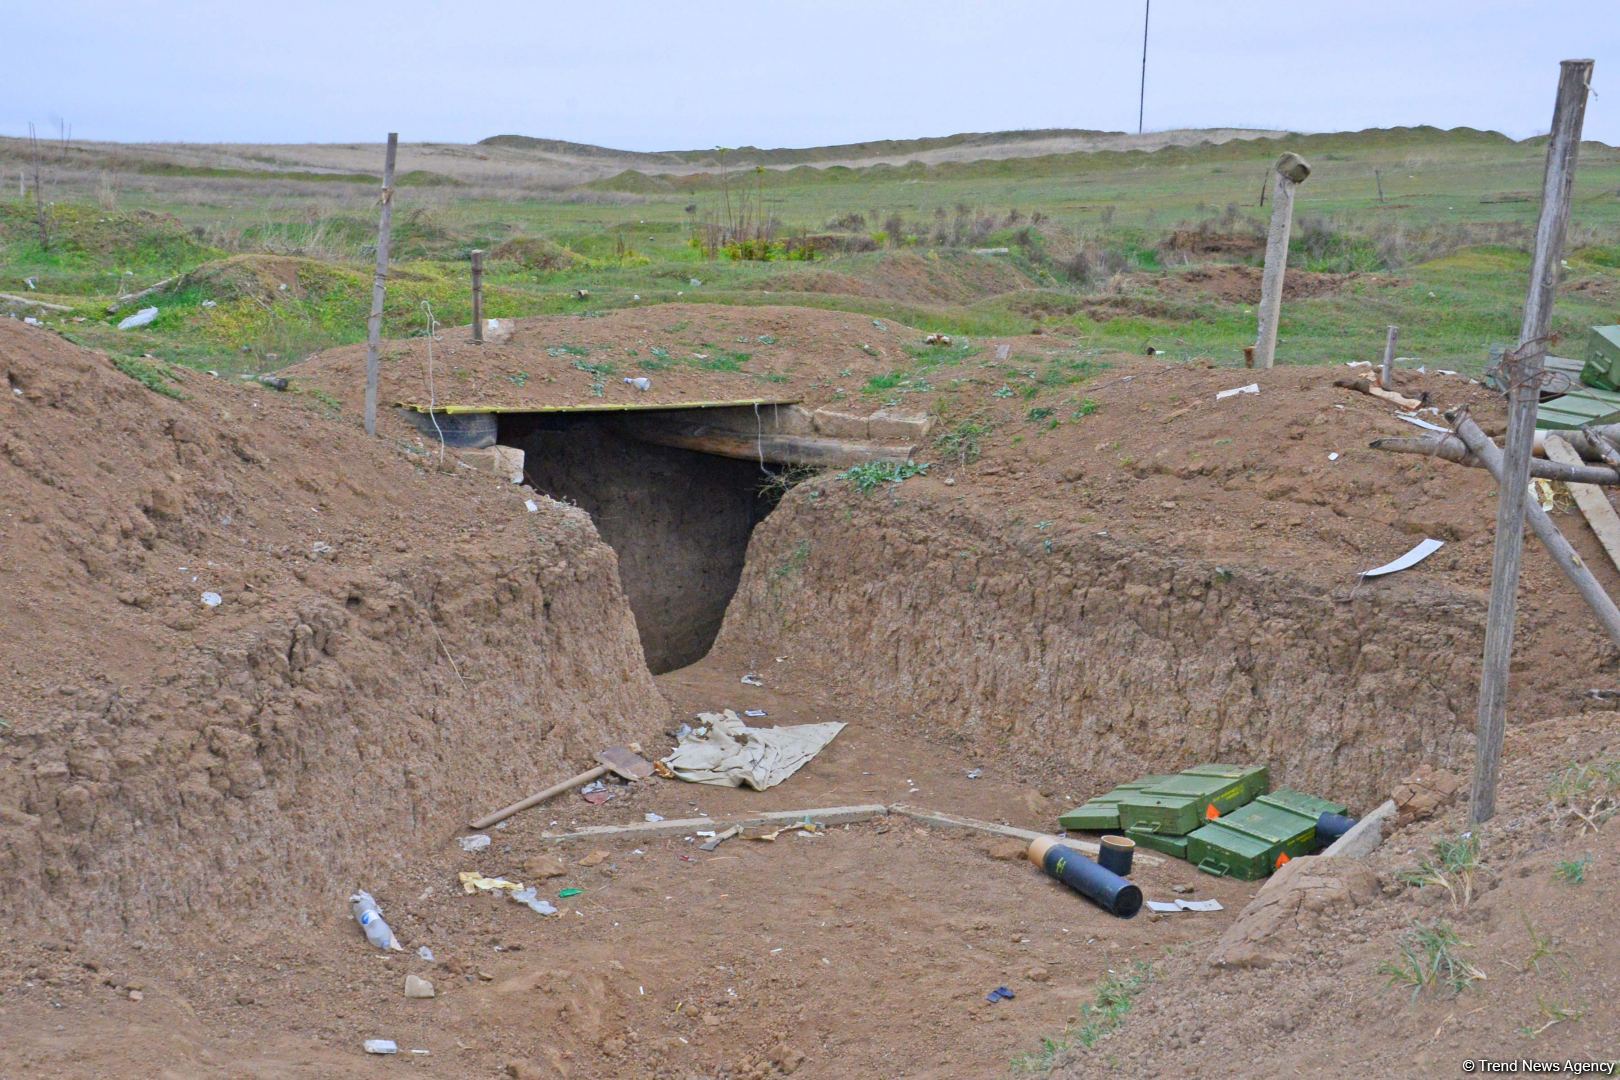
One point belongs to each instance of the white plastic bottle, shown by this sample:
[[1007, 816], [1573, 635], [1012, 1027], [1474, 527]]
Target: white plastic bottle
[[369, 916]]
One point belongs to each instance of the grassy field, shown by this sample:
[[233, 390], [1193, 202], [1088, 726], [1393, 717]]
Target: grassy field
[[1109, 249]]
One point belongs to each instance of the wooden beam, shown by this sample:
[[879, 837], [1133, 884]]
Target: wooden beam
[[1593, 503], [13, 298], [953, 821], [1450, 448], [652, 830], [1564, 556], [478, 297], [774, 447], [1386, 374], [1291, 171], [1523, 380], [379, 285]]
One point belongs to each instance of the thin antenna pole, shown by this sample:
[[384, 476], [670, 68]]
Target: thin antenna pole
[[1141, 98]]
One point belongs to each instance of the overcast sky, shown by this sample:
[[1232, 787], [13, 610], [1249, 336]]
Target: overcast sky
[[659, 74]]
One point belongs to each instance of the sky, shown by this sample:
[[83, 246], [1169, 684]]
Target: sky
[[663, 75]]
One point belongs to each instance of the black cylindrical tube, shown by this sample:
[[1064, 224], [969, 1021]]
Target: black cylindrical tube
[[1329, 827], [1102, 887], [1115, 853]]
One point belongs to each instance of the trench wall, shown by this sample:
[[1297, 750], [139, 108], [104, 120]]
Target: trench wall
[[1113, 659]]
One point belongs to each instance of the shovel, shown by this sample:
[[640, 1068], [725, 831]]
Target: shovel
[[615, 759]]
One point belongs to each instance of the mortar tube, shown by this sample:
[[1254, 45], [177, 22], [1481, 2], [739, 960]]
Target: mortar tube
[[1102, 887]]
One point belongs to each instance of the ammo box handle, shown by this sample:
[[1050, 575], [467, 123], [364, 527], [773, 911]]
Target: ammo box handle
[[1209, 861], [1146, 826]]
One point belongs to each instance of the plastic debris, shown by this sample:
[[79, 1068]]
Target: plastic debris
[[640, 383], [1000, 993], [140, 318], [566, 893], [1407, 561], [369, 916], [654, 817], [212, 599], [531, 506], [733, 754], [1333, 456], [1413, 418], [974, 774], [1252, 388], [472, 881], [1162, 906], [755, 713], [210, 303], [752, 680], [476, 842], [31, 321], [381, 1046], [425, 953], [531, 898]]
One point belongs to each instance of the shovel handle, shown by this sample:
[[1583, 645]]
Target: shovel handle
[[539, 797]]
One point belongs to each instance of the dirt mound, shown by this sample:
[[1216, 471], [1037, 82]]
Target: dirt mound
[[949, 278], [1531, 930], [267, 656], [534, 253], [264, 278], [1215, 544], [1241, 284], [1214, 243]]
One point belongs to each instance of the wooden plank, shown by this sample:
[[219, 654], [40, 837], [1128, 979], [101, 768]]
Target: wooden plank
[[602, 407], [1592, 501], [1512, 470], [652, 830], [772, 446], [954, 821], [1364, 836]]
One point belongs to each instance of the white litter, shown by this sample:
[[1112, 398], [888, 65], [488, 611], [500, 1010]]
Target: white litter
[[732, 754], [1358, 363], [1184, 905], [212, 599], [531, 506], [642, 384], [974, 774], [140, 318], [210, 303], [1407, 561], [654, 817], [1413, 418], [755, 713], [381, 1046], [31, 321], [425, 953], [1252, 388], [477, 842], [530, 899], [752, 680], [1333, 456]]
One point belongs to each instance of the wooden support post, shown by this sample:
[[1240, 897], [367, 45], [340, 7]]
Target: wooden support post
[[1563, 555], [1291, 170], [1522, 375], [1451, 448], [1378, 179], [1386, 374], [478, 296], [379, 284]]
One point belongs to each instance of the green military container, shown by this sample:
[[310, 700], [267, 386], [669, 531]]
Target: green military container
[[1602, 367], [1169, 845], [1249, 843], [1101, 814], [1301, 803], [1177, 806], [1256, 779]]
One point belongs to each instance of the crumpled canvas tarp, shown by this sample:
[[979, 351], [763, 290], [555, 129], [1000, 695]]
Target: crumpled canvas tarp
[[729, 753]]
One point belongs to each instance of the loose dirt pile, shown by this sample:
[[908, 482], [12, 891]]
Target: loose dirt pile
[[385, 639]]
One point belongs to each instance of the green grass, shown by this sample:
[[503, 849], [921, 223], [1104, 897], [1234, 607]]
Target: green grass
[[1429, 958], [871, 475], [1451, 865], [1449, 243], [1115, 995], [1572, 871], [158, 377]]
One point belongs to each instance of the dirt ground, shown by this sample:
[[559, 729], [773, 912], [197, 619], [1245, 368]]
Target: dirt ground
[[189, 792]]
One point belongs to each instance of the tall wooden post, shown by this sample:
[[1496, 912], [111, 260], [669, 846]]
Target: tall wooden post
[[478, 297], [1521, 372], [1386, 374], [1291, 170], [379, 284]]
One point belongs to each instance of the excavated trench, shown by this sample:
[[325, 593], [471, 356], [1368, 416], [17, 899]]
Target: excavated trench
[[679, 520]]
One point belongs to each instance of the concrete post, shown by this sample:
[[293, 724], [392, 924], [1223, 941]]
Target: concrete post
[[1291, 171]]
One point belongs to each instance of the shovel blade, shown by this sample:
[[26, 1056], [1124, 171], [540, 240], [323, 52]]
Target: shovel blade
[[626, 763]]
